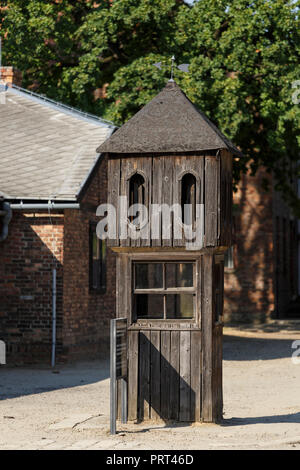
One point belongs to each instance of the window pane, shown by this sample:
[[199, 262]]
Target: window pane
[[148, 275], [180, 305], [95, 246], [179, 275], [96, 276], [97, 261], [149, 305], [228, 259]]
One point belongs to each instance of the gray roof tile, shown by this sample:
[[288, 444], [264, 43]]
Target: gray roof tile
[[46, 149]]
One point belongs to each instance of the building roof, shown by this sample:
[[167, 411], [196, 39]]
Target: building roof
[[47, 149], [169, 123]]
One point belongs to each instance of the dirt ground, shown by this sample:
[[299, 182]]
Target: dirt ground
[[69, 409]]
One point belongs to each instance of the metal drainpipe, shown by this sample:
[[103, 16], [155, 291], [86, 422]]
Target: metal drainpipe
[[6, 220], [53, 317], [53, 352], [50, 205]]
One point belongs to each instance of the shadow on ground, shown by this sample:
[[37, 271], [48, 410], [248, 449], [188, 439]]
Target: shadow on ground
[[238, 348], [21, 381], [274, 419]]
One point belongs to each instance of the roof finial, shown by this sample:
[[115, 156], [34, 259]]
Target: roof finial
[[172, 68], [182, 67]]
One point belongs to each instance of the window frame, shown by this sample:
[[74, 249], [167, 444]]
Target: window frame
[[185, 189], [144, 189], [101, 288], [164, 291], [229, 264]]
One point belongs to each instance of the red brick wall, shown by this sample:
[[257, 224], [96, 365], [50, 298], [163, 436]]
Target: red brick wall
[[27, 257], [249, 286], [87, 314], [285, 254], [33, 247], [10, 75]]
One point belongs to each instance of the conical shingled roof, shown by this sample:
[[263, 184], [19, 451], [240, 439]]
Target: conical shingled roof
[[168, 123]]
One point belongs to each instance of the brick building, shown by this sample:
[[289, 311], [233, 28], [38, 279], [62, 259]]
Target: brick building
[[261, 277], [48, 154], [51, 182]]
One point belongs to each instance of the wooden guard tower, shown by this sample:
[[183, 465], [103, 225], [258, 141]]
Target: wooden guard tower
[[170, 153]]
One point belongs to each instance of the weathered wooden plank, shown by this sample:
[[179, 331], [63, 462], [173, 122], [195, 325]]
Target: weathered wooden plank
[[211, 201], [229, 218], [198, 300], [221, 372], [113, 169], [219, 412], [207, 346], [195, 376], [128, 167], [185, 376], [223, 199], [218, 182], [179, 170], [144, 375], [118, 276], [201, 195], [157, 182], [174, 375], [215, 374], [226, 197], [155, 375], [165, 374], [145, 165], [167, 196], [124, 287], [133, 348], [121, 286]]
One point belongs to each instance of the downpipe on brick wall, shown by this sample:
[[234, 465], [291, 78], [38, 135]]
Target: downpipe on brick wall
[[53, 317], [47, 206]]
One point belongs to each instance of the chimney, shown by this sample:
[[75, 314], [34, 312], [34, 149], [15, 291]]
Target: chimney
[[11, 76]]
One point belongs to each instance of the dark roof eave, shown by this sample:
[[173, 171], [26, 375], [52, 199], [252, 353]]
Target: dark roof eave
[[234, 151]]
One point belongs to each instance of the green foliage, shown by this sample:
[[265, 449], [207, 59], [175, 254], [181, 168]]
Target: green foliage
[[244, 58]]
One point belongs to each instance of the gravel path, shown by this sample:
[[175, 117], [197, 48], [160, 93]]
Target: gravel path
[[69, 409]]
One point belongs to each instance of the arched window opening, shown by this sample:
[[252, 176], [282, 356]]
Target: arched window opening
[[188, 199], [136, 192]]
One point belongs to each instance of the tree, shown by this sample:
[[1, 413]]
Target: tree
[[99, 56], [71, 50], [244, 61]]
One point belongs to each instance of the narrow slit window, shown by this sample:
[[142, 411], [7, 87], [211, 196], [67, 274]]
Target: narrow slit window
[[136, 193], [97, 262], [188, 199], [228, 259]]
